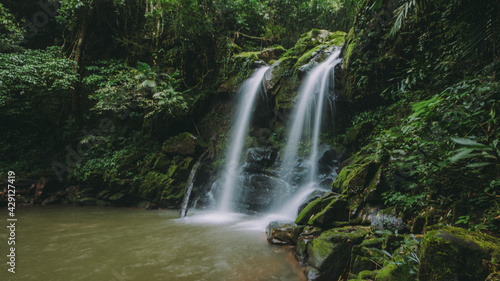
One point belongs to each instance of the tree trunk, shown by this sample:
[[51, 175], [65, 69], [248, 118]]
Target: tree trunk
[[78, 58]]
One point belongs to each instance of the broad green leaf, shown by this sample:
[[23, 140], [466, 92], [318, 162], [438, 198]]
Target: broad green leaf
[[464, 153], [469, 142], [479, 165]]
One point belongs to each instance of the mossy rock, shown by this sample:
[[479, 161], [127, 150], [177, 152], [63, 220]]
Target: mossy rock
[[335, 211], [329, 253], [284, 81], [166, 187], [242, 67], [361, 257], [337, 38], [451, 253], [307, 56], [349, 47], [153, 184], [367, 274], [272, 53], [282, 84], [353, 179], [161, 162], [314, 207], [352, 175], [283, 233], [172, 196], [182, 144], [312, 39], [301, 248], [246, 55], [391, 272], [318, 52], [361, 263]]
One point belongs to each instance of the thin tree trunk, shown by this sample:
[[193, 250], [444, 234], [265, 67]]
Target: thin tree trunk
[[78, 58]]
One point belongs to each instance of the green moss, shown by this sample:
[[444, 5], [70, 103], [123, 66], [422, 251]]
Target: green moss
[[392, 272], [284, 83], [334, 211], [271, 54], [355, 236], [251, 55], [450, 252], [311, 209], [306, 57], [182, 144], [161, 163], [337, 38], [351, 45], [310, 40], [352, 179], [367, 274], [362, 263], [153, 182], [373, 242], [329, 252]]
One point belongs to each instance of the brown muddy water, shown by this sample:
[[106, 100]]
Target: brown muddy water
[[118, 244]]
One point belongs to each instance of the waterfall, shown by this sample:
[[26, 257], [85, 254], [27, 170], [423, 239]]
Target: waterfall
[[249, 93], [265, 184], [306, 125]]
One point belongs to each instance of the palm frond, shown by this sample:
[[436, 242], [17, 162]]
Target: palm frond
[[402, 13]]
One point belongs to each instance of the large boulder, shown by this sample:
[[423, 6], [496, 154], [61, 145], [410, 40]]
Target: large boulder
[[336, 211], [259, 159], [451, 253], [362, 255], [259, 192], [353, 179], [283, 232], [314, 207], [328, 255], [270, 54]]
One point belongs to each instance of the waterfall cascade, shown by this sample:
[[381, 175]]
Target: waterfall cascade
[[249, 93], [307, 118], [265, 182]]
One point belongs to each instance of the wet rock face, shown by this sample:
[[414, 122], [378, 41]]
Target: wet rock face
[[283, 232], [260, 192], [259, 159], [271, 53]]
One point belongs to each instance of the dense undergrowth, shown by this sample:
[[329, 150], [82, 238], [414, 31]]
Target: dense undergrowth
[[439, 144]]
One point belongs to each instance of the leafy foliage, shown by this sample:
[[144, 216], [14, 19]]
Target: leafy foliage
[[35, 101], [10, 32], [119, 87], [35, 80], [406, 256]]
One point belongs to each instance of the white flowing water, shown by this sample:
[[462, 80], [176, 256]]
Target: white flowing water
[[249, 93], [314, 88], [306, 125], [307, 119], [326, 73]]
